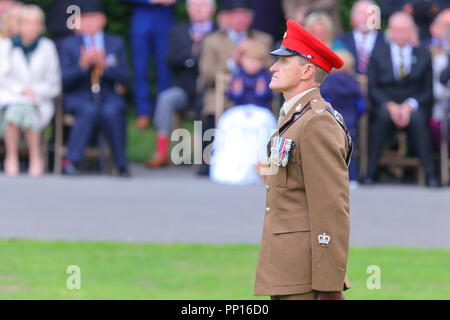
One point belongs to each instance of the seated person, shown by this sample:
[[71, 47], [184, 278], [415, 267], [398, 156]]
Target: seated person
[[29, 81], [183, 56], [341, 89], [93, 65], [250, 80], [400, 83]]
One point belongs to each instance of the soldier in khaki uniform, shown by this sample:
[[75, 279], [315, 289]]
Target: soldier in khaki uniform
[[305, 239]]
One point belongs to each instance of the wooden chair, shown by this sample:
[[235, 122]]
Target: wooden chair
[[63, 121]]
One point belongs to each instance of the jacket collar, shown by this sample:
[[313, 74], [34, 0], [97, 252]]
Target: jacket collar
[[300, 104]]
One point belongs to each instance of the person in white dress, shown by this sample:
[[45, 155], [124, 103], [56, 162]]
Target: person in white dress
[[30, 79]]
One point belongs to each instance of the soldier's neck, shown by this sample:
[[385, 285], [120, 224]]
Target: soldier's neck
[[292, 93]]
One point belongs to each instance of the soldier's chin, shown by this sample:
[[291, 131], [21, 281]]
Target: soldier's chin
[[274, 86]]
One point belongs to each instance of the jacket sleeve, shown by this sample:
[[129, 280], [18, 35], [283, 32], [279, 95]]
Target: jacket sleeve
[[72, 73], [178, 53], [119, 71], [425, 96], [324, 151], [8, 83]]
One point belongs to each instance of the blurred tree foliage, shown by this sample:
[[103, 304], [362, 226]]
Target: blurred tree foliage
[[119, 12]]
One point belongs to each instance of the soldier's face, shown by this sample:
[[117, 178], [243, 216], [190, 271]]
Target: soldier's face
[[287, 74]]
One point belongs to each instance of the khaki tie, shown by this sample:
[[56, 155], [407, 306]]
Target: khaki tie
[[281, 117], [403, 72]]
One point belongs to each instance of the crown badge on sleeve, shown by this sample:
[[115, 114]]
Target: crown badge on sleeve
[[324, 239]]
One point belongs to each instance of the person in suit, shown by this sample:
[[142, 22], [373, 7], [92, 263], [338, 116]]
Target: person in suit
[[94, 66], [361, 40], [183, 56], [401, 92], [219, 55], [305, 239], [151, 22]]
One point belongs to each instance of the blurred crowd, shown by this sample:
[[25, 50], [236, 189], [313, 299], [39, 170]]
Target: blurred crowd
[[398, 77]]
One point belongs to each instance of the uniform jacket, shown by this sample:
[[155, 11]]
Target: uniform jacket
[[41, 75], [305, 199], [217, 50]]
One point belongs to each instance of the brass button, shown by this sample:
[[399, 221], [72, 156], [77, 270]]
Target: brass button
[[267, 210], [267, 187]]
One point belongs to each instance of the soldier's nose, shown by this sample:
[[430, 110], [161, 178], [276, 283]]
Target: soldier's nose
[[273, 69]]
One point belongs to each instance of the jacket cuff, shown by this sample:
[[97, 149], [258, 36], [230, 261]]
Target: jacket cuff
[[328, 279]]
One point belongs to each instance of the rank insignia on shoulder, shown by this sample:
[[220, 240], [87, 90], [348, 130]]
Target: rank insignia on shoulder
[[279, 152], [324, 239]]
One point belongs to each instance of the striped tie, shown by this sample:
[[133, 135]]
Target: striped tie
[[363, 57]]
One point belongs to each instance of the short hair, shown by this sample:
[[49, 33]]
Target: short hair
[[359, 2], [401, 14], [32, 9], [256, 49], [321, 74], [211, 2], [320, 17], [439, 18]]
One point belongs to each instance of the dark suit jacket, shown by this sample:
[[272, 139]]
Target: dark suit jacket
[[418, 84], [183, 64], [349, 41], [77, 82]]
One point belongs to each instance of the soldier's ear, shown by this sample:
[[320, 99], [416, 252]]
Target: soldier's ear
[[309, 72]]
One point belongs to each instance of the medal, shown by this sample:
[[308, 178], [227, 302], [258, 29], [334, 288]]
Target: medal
[[279, 152]]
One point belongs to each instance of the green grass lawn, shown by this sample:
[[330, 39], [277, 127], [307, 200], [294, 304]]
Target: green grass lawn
[[37, 270]]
